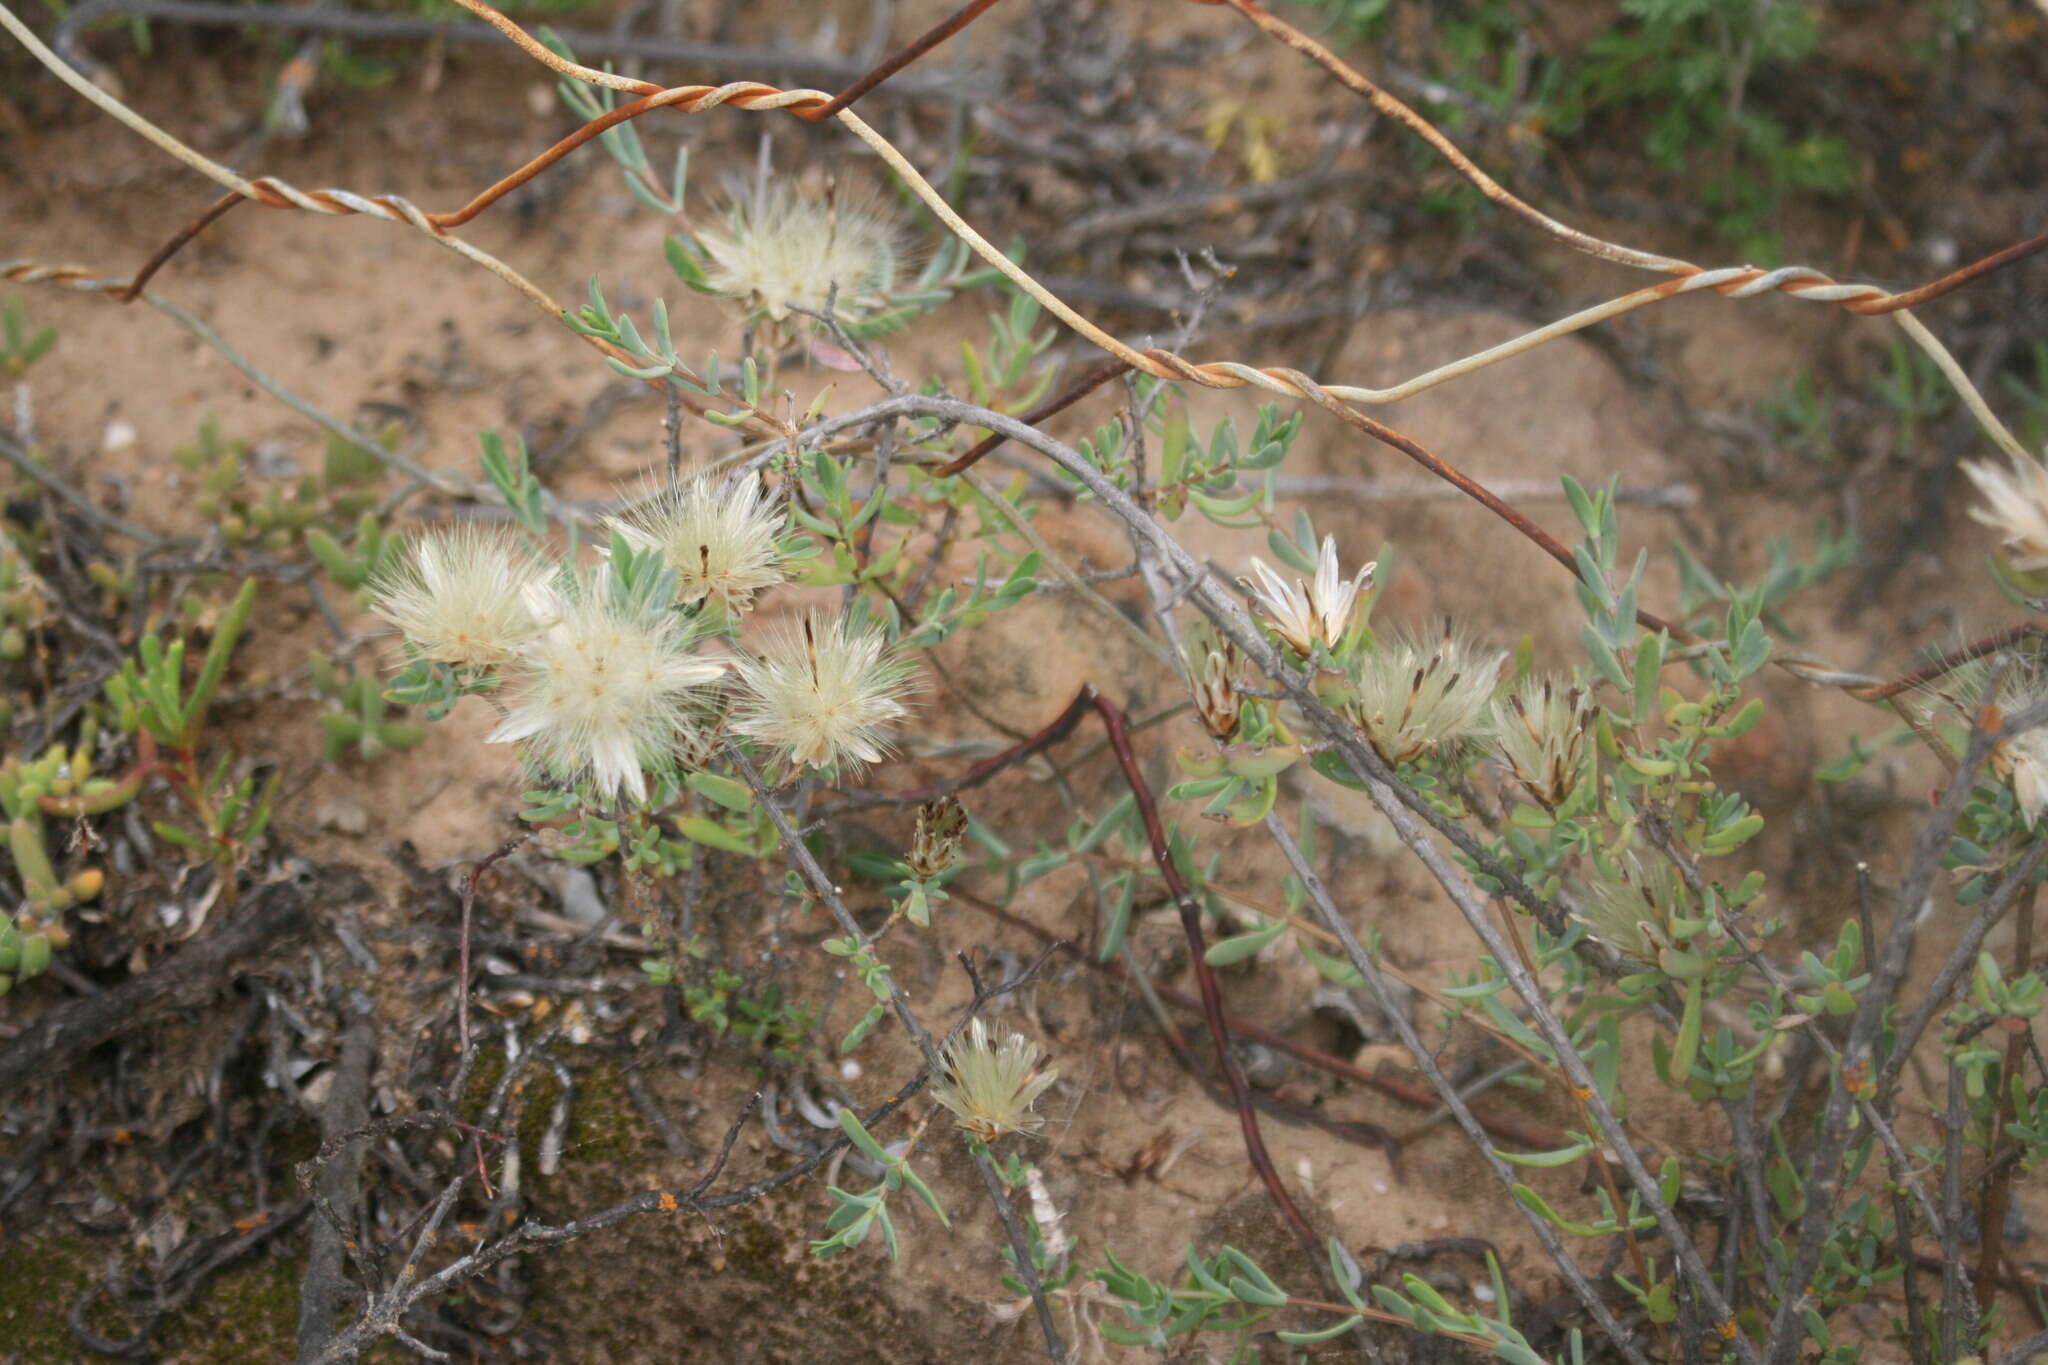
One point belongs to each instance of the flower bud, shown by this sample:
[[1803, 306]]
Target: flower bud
[[941, 825]]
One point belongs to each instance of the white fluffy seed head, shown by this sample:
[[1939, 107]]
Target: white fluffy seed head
[[607, 689], [461, 596], [2016, 506], [1414, 697], [719, 537], [989, 1087], [782, 245], [824, 694], [1964, 698]]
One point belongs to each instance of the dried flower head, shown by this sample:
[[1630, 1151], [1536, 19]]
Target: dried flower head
[[1966, 698], [1213, 676], [1413, 697], [990, 1089], [941, 826], [1310, 613], [719, 537], [781, 245], [824, 693], [1541, 731], [462, 596], [2015, 506], [1633, 910], [607, 689], [2023, 761]]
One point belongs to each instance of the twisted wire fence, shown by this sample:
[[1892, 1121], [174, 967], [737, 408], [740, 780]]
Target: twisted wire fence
[[1176, 576], [1740, 283]]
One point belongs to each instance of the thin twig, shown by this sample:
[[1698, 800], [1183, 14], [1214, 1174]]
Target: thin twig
[[1205, 976], [1952, 1287], [902, 57], [322, 1288], [469, 882], [1991, 1217], [799, 855], [74, 499], [1425, 1061]]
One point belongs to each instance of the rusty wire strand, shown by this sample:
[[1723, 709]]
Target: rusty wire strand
[[1737, 282], [275, 193]]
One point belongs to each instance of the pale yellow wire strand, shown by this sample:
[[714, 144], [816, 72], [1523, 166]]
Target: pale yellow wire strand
[[982, 247], [228, 179], [1243, 374], [1972, 399]]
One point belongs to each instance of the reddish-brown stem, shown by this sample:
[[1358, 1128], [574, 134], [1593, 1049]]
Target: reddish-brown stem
[[1954, 659], [1061, 726], [215, 211], [901, 58], [1205, 975], [609, 119], [1059, 402], [1955, 279], [1479, 493], [483, 1173], [1358, 1132]]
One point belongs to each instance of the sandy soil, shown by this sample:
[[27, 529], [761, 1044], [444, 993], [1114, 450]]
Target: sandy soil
[[375, 323]]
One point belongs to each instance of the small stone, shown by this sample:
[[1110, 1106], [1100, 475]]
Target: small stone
[[118, 436], [578, 892], [1264, 1067], [343, 815], [273, 460], [314, 1092]]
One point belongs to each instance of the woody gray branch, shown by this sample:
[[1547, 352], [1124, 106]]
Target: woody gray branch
[[323, 1288], [1822, 1179], [384, 1312], [1425, 1060], [1398, 804]]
